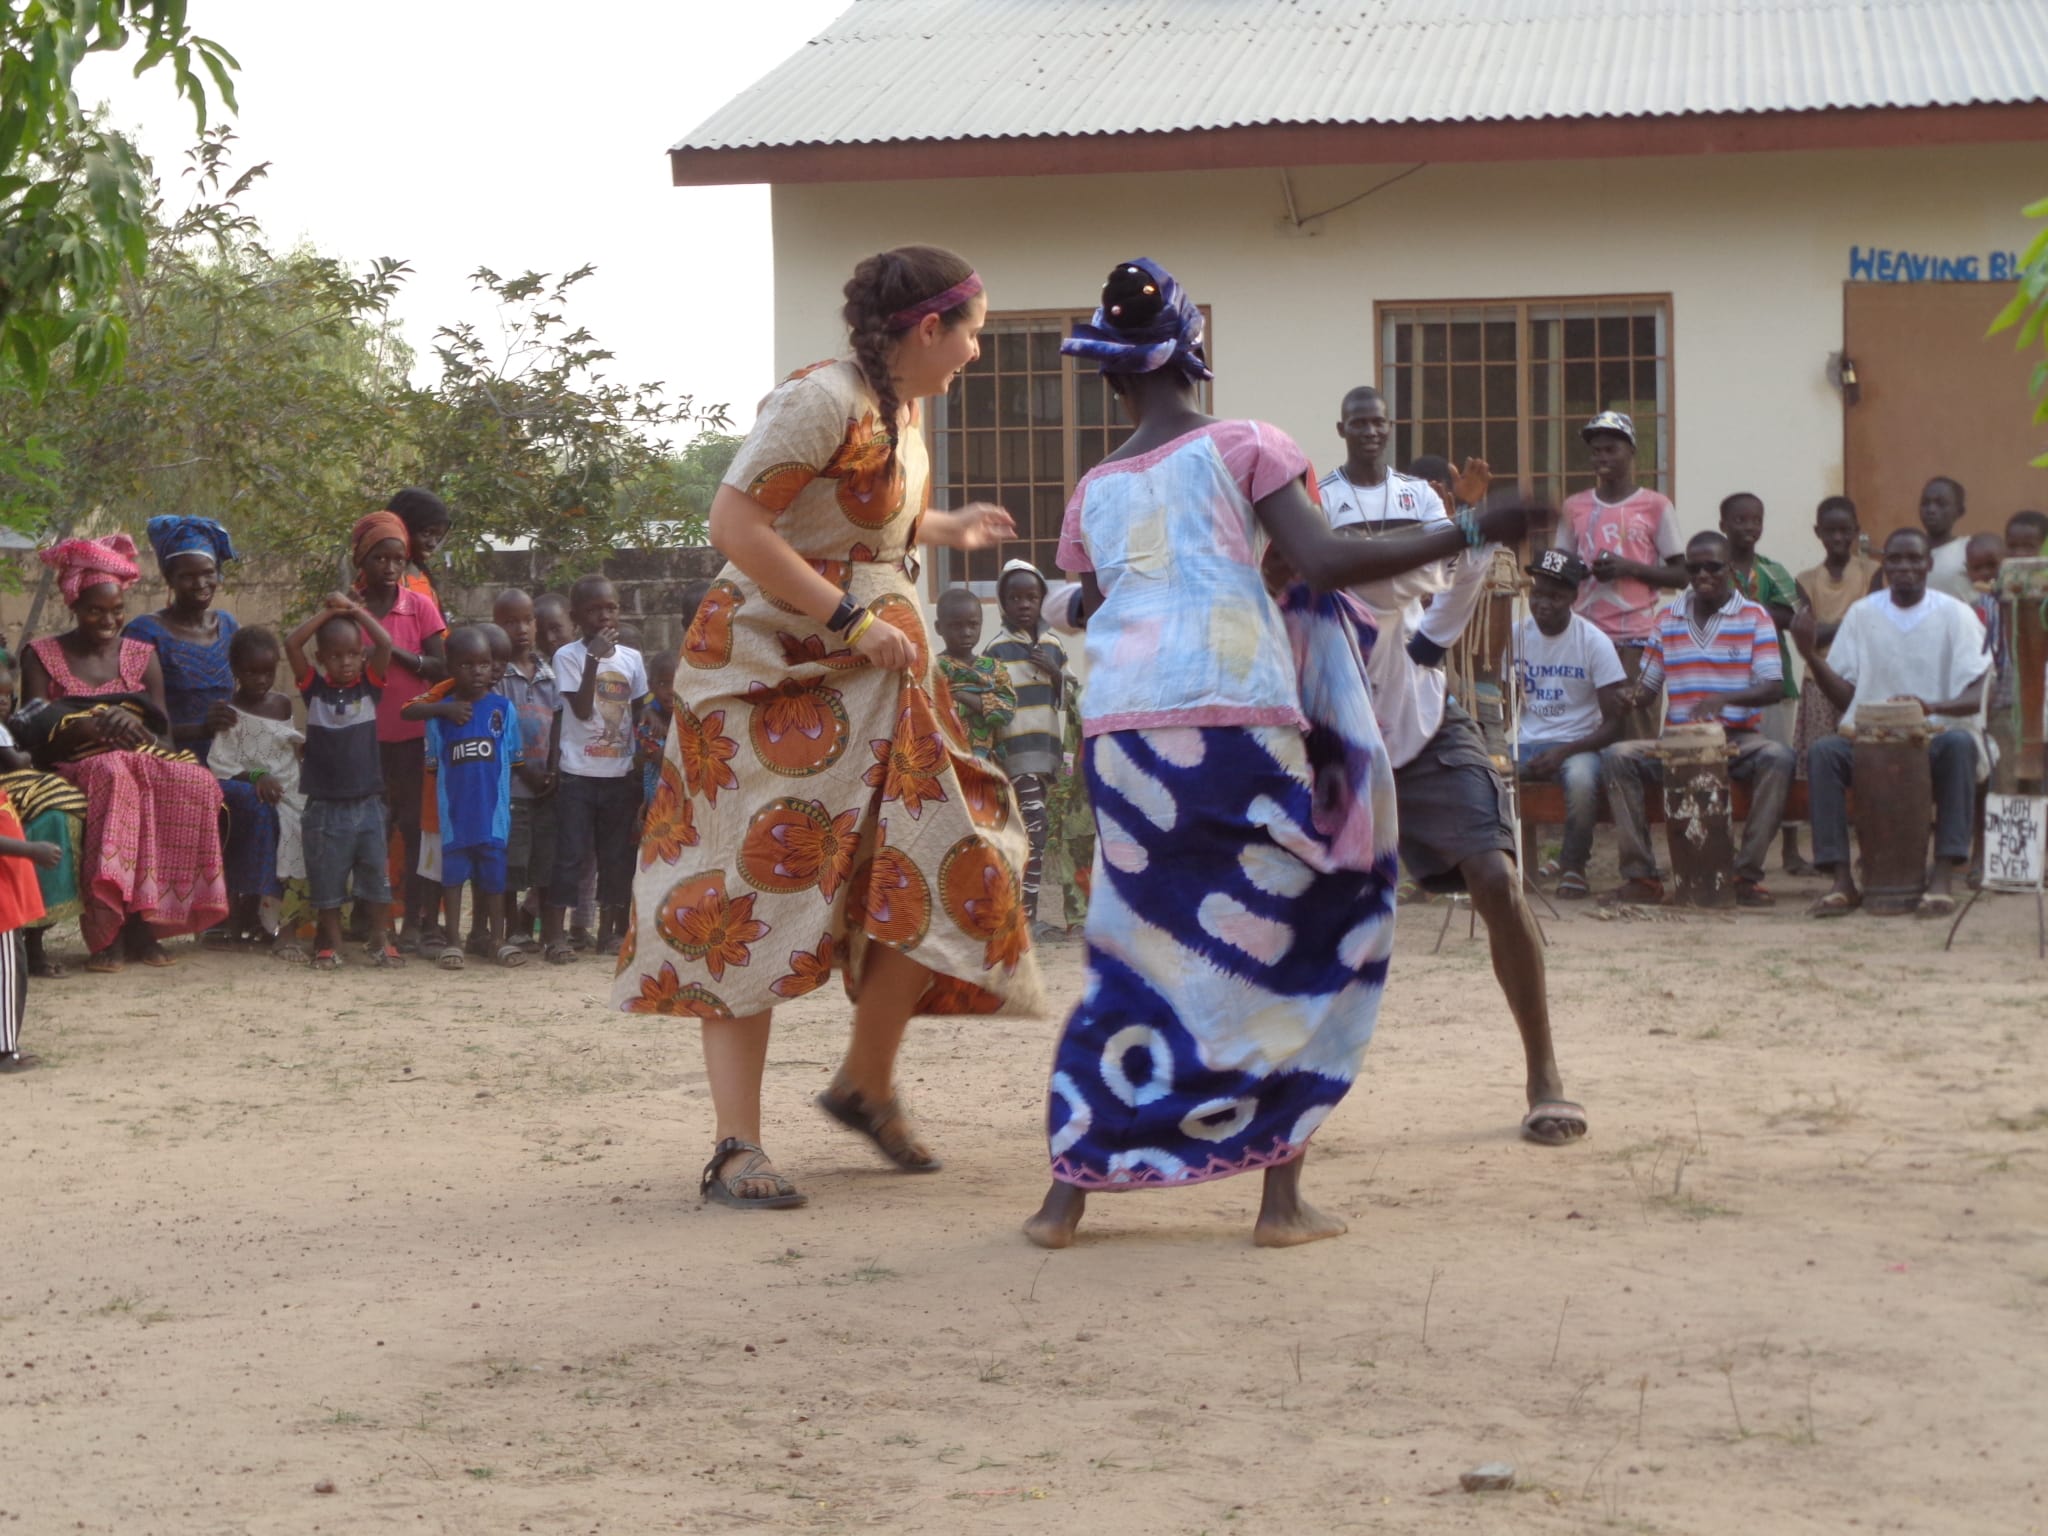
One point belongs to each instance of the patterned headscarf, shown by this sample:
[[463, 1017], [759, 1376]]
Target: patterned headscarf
[[171, 537], [82, 563], [1173, 336], [374, 530]]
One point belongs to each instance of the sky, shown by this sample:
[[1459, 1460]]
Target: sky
[[514, 135]]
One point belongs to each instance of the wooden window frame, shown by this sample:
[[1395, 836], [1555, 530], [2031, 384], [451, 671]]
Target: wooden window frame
[[941, 563], [1665, 477]]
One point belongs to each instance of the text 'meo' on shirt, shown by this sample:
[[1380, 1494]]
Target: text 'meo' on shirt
[[343, 760], [473, 772], [1561, 677], [1642, 527], [1734, 649], [602, 746]]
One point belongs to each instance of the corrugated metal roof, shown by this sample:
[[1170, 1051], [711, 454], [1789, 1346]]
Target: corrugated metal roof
[[911, 70]]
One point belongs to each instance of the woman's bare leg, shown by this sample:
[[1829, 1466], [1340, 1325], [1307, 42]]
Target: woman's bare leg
[[735, 1057], [863, 1091]]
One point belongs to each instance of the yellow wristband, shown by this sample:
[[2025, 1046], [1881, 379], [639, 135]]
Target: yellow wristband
[[860, 627]]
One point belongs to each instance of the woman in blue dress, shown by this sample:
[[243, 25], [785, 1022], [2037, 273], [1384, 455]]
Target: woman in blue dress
[[1242, 911], [191, 639]]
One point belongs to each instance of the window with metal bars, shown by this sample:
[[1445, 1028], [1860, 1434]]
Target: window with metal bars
[[1512, 382], [1020, 427]]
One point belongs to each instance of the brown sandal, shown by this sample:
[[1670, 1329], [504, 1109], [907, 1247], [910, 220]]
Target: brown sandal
[[901, 1149]]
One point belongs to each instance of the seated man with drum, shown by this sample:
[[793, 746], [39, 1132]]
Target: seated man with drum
[[1715, 655], [1909, 646], [1571, 682]]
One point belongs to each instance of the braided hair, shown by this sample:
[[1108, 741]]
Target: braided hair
[[881, 286]]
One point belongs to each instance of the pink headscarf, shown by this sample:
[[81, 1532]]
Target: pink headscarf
[[82, 563]]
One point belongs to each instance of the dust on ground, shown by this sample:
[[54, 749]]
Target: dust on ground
[[434, 1240]]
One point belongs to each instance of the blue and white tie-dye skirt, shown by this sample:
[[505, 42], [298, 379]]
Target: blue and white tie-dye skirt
[[1238, 937]]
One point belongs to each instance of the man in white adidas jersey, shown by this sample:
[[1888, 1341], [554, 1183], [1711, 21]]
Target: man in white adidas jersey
[[1456, 833]]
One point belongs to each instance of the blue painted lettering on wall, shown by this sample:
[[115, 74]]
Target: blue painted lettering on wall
[[1878, 265]]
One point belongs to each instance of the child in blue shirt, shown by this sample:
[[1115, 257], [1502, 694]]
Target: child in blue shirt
[[473, 741]]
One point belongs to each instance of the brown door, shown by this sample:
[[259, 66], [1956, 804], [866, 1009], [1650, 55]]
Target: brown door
[[1937, 398]]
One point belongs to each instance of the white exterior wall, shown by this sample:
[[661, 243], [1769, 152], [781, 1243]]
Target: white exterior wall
[[1752, 249]]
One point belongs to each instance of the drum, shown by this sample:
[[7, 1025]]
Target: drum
[[2023, 596], [1894, 788], [1699, 822]]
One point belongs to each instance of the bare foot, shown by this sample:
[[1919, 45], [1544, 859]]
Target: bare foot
[[1053, 1224], [1285, 1219], [1304, 1224]]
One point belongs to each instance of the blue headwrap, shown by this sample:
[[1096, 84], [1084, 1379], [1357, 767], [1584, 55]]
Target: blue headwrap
[[174, 536], [1172, 337]]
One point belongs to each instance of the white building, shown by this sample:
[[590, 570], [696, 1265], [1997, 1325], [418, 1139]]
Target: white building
[[1509, 213]]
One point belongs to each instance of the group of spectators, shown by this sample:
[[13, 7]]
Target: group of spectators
[[1605, 639]]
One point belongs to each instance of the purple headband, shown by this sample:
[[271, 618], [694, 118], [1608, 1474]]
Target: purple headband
[[938, 303]]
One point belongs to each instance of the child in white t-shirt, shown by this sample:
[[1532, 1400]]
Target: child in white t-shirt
[[1571, 679], [597, 795]]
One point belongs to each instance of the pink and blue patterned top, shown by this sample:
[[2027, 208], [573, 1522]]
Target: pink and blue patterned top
[[1187, 634]]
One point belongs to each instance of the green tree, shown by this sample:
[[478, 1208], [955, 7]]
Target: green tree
[[2029, 311], [530, 443], [74, 195], [258, 387]]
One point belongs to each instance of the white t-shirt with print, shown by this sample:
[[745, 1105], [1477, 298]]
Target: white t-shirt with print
[[602, 746], [1561, 677]]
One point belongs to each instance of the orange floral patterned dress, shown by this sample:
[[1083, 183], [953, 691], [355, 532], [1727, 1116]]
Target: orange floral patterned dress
[[807, 804]]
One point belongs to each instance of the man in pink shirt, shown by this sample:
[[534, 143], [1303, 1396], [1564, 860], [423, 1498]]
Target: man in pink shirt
[[1628, 535]]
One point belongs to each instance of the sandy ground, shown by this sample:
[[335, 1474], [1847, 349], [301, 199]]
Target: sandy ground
[[436, 1241]]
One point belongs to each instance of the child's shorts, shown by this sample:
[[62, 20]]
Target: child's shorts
[[346, 838], [485, 864]]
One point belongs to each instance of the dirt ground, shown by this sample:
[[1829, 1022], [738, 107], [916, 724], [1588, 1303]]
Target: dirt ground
[[435, 1241]]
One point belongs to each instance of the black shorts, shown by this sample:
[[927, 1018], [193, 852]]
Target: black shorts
[[1452, 804]]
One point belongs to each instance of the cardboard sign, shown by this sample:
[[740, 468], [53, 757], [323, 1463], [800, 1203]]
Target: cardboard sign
[[2015, 842]]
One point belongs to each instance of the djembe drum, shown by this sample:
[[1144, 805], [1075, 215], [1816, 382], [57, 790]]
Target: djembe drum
[[1894, 785], [1699, 823]]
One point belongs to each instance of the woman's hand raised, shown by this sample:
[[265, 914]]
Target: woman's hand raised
[[978, 525]]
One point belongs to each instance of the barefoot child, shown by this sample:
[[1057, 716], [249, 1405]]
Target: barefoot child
[[53, 811], [473, 740], [1239, 932], [342, 774], [597, 796], [261, 749], [21, 903], [980, 684]]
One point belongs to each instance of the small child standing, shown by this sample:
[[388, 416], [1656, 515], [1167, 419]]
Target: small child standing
[[262, 749], [1030, 746], [650, 735], [597, 796], [21, 903], [473, 739], [529, 683], [982, 694], [342, 774]]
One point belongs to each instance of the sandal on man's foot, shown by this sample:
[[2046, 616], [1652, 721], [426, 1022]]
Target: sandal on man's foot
[[511, 956], [1935, 904], [450, 959], [1834, 904], [719, 1187], [1751, 893], [326, 960], [1549, 869], [1554, 1122], [560, 954], [1571, 886], [875, 1123]]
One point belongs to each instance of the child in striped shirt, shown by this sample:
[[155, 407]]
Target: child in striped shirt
[[1031, 745]]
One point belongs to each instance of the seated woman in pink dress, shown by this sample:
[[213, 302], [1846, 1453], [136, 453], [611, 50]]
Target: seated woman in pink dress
[[94, 714]]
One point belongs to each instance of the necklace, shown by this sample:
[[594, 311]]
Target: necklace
[[1386, 492]]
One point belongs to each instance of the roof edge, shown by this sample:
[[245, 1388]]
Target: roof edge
[[1273, 145]]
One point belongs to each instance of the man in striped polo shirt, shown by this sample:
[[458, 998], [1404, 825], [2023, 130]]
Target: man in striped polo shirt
[[1714, 654]]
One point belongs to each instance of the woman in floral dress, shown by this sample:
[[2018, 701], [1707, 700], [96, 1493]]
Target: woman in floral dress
[[818, 806]]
